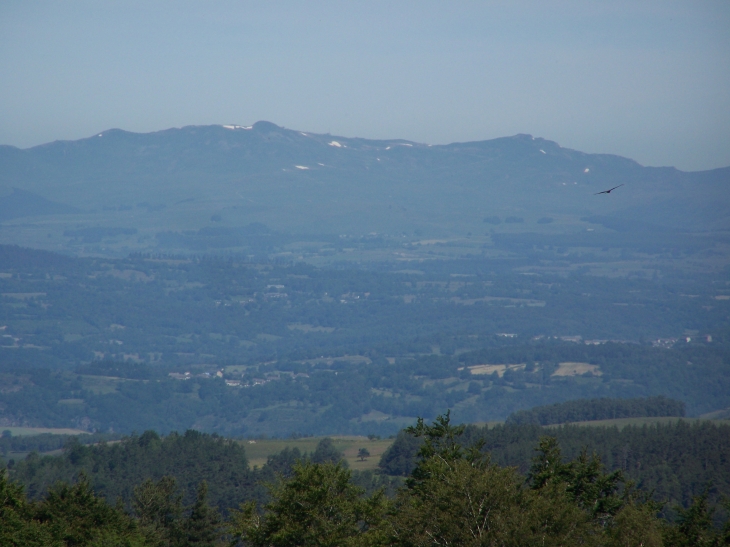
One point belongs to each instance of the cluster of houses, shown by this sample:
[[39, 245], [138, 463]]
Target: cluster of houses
[[669, 342], [658, 343], [269, 377], [350, 297], [189, 375]]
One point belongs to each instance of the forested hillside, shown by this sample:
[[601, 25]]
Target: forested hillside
[[197, 489], [672, 462], [114, 469], [584, 410]]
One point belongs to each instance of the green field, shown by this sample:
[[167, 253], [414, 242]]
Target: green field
[[260, 449], [24, 431]]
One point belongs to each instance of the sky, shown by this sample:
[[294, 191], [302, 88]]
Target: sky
[[647, 80]]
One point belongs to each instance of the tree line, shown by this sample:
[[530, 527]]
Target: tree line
[[455, 495], [582, 410], [676, 462]]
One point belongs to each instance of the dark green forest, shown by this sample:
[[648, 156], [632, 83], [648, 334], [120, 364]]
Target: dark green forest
[[673, 462], [582, 410], [465, 486]]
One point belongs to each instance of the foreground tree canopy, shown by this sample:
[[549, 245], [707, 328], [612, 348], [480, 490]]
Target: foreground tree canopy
[[455, 495]]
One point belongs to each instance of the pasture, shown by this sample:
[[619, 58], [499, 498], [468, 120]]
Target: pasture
[[26, 431], [258, 450]]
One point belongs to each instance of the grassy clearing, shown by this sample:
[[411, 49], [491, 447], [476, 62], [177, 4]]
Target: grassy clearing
[[491, 369], [25, 431], [722, 414], [102, 385], [576, 369], [260, 449]]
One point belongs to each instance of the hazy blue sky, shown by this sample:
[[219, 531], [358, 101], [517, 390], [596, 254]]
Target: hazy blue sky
[[645, 79]]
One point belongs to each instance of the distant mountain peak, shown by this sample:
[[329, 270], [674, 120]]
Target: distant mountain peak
[[264, 126]]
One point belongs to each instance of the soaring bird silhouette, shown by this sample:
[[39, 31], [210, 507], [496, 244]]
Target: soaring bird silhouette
[[608, 191]]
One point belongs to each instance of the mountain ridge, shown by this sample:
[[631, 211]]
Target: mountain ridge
[[263, 125], [314, 183]]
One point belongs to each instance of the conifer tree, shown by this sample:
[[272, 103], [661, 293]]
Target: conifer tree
[[74, 515], [158, 508], [17, 525], [456, 496], [202, 527], [317, 506]]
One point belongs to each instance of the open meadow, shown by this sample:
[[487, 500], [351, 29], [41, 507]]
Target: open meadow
[[258, 450], [25, 431]]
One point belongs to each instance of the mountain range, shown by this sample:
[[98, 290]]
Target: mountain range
[[295, 182]]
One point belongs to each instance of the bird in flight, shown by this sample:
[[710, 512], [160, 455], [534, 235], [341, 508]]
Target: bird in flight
[[608, 191]]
